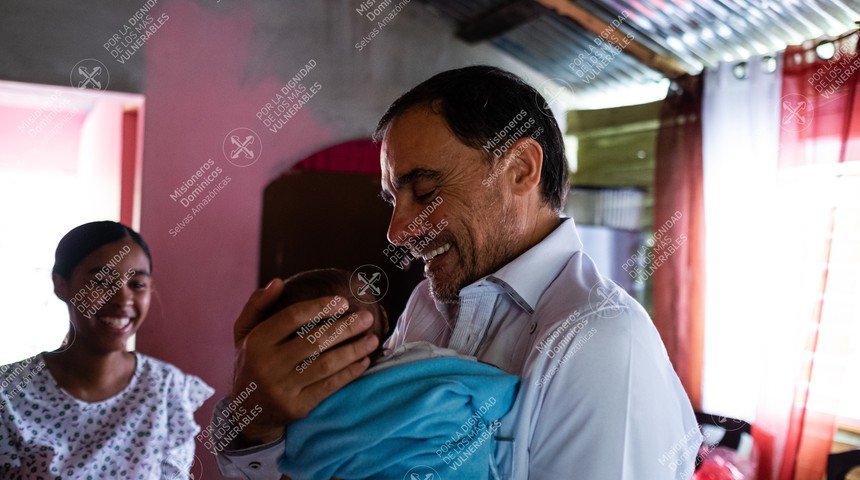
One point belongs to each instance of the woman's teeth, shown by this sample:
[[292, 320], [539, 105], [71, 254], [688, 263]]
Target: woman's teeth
[[430, 255], [116, 322]]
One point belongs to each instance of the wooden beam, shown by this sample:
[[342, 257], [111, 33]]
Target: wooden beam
[[668, 67], [498, 20]]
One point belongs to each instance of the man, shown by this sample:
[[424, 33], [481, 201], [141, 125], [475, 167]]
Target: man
[[507, 282]]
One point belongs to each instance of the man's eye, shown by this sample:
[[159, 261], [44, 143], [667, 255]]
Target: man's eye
[[425, 196]]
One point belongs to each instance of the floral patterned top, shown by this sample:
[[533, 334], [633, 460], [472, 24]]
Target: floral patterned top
[[144, 432]]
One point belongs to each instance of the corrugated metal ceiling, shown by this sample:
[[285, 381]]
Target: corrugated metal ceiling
[[692, 34]]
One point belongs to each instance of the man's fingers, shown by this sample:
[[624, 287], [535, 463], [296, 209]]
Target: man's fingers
[[324, 356], [312, 313], [334, 360], [254, 308], [319, 391]]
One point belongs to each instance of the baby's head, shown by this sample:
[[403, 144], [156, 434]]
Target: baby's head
[[325, 282]]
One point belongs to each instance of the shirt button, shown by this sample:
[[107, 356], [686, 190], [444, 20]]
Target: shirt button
[[255, 465], [532, 327]]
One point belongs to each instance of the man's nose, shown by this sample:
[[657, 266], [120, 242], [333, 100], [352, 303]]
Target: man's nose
[[403, 226]]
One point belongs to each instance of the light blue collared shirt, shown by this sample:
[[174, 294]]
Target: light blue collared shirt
[[599, 398]]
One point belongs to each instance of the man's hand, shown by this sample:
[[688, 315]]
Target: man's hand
[[290, 382]]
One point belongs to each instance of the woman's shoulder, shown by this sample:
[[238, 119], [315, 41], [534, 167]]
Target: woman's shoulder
[[22, 372], [190, 390], [33, 364], [23, 380]]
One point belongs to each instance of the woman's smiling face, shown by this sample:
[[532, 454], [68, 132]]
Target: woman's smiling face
[[108, 295]]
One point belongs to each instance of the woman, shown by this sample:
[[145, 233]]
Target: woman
[[92, 409]]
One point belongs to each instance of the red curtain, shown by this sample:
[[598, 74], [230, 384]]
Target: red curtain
[[819, 102], [819, 126], [679, 283]]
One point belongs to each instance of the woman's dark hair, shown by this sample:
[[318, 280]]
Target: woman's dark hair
[[89, 237], [479, 103]]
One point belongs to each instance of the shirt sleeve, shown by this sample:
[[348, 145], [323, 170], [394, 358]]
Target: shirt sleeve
[[254, 463], [10, 440], [9, 457], [186, 395], [612, 406]]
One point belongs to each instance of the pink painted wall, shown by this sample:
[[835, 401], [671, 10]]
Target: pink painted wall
[[195, 96]]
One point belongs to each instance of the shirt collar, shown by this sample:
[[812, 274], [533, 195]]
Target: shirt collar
[[527, 277]]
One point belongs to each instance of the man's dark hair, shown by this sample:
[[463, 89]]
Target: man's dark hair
[[478, 103]]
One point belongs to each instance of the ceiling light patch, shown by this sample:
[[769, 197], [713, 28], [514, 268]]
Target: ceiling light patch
[[675, 44], [690, 38]]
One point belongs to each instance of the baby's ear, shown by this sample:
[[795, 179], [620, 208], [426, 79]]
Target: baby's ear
[[383, 315]]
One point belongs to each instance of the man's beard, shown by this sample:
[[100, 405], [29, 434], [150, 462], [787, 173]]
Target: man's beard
[[497, 241]]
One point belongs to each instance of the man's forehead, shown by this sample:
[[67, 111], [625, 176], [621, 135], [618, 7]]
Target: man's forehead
[[398, 159], [418, 144]]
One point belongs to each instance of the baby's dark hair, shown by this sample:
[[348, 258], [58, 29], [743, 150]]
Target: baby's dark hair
[[86, 239], [323, 282]]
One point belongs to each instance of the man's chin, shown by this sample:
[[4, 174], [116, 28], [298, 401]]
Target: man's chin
[[444, 293]]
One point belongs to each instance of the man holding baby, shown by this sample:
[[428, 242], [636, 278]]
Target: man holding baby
[[506, 282]]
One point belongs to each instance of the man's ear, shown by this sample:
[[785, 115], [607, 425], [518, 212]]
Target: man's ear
[[61, 287], [524, 160]]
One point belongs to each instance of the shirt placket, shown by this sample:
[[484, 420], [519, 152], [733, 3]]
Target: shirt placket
[[475, 310]]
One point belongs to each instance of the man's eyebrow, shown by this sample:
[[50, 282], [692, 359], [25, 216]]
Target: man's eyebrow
[[415, 174], [407, 178]]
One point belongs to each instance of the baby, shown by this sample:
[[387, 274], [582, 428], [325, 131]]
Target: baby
[[418, 409], [312, 284]]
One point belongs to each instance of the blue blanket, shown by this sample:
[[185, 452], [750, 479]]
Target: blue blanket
[[437, 414]]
